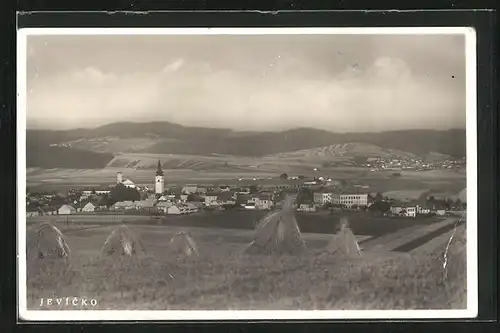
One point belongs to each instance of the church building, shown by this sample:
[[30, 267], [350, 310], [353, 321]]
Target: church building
[[159, 180]]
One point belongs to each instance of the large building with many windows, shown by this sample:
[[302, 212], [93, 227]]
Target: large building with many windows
[[350, 200]]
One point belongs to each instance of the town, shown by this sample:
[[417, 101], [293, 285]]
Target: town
[[318, 195]]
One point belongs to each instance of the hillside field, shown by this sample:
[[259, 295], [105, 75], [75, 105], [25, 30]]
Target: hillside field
[[265, 171], [223, 277]]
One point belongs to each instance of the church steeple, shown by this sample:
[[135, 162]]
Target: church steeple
[[159, 171]]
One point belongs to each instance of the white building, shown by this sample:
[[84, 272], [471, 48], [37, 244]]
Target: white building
[[181, 209], [250, 205], [350, 200], [128, 183], [404, 211], [66, 210], [188, 189], [88, 208], [264, 204], [210, 197], [306, 208], [159, 180], [119, 178], [323, 198]]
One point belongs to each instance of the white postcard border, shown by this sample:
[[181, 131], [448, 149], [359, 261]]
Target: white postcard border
[[144, 315]]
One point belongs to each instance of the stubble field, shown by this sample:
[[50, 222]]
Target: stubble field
[[223, 277]]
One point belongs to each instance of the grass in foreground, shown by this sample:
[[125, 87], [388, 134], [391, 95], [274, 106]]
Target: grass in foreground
[[223, 279]]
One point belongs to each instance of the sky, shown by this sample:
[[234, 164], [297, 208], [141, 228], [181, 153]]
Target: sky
[[339, 83]]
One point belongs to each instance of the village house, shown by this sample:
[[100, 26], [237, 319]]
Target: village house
[[264, 201], [322, 198], [181, 209], [163, 205], [103, 192], [124, 205], [305, 207], [224, 188], [32, 213], [403, 210], [89, 208], [349, 200], [129, 183], [250, 205], [226, 198], [66, 210], [423, 210], [145, 204], [190, 189], [211, 198]]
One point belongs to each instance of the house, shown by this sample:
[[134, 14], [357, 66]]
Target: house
[[406, 211], [201, 190], [226, 198], [66, 210], [350, 200], [191, 208], [145, 204], [322, 198], [304, 207], [181, 209], [211, 197], [423, 210], [32, 213], [103, 192], [163, 206], [124, 205], [175, 210], [162, 198], [264, 201], [250, 205], [89, 208], [440, 212], [264, 204], [189, 189], [129, 183]]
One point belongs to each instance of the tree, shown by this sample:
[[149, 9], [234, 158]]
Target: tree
[[305, 196], [284, 176], [378, 197], [380, 207], [194, 198], [253, 188], [122, 193], [360, 160]]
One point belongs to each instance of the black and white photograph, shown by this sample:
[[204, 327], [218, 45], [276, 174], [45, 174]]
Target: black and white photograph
[[247, 173]]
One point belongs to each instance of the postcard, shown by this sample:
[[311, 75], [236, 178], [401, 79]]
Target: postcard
[[247, 173]]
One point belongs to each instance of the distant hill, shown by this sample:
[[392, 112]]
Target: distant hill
[[168, 138], [350, 150], [68, 158]]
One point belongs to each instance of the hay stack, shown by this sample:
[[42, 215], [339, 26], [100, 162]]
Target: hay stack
[[278, 232], [122, 241], [344, 243], [50, 242], [183, 244]]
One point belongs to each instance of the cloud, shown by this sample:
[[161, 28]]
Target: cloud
[[383, 95], [173, 66]]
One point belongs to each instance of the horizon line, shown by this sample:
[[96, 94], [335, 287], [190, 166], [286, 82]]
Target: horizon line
[[41, 128]]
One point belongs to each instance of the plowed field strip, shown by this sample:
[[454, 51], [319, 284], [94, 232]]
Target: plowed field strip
[[417, 242], [436, 244], [417, 234], [378, 242]]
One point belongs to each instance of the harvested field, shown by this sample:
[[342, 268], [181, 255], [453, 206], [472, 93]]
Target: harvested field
[[223, 277]]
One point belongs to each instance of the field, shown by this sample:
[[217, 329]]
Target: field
[[439, 181], [223, 277]]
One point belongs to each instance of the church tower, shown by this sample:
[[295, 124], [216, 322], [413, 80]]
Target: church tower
[[159, 180]]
